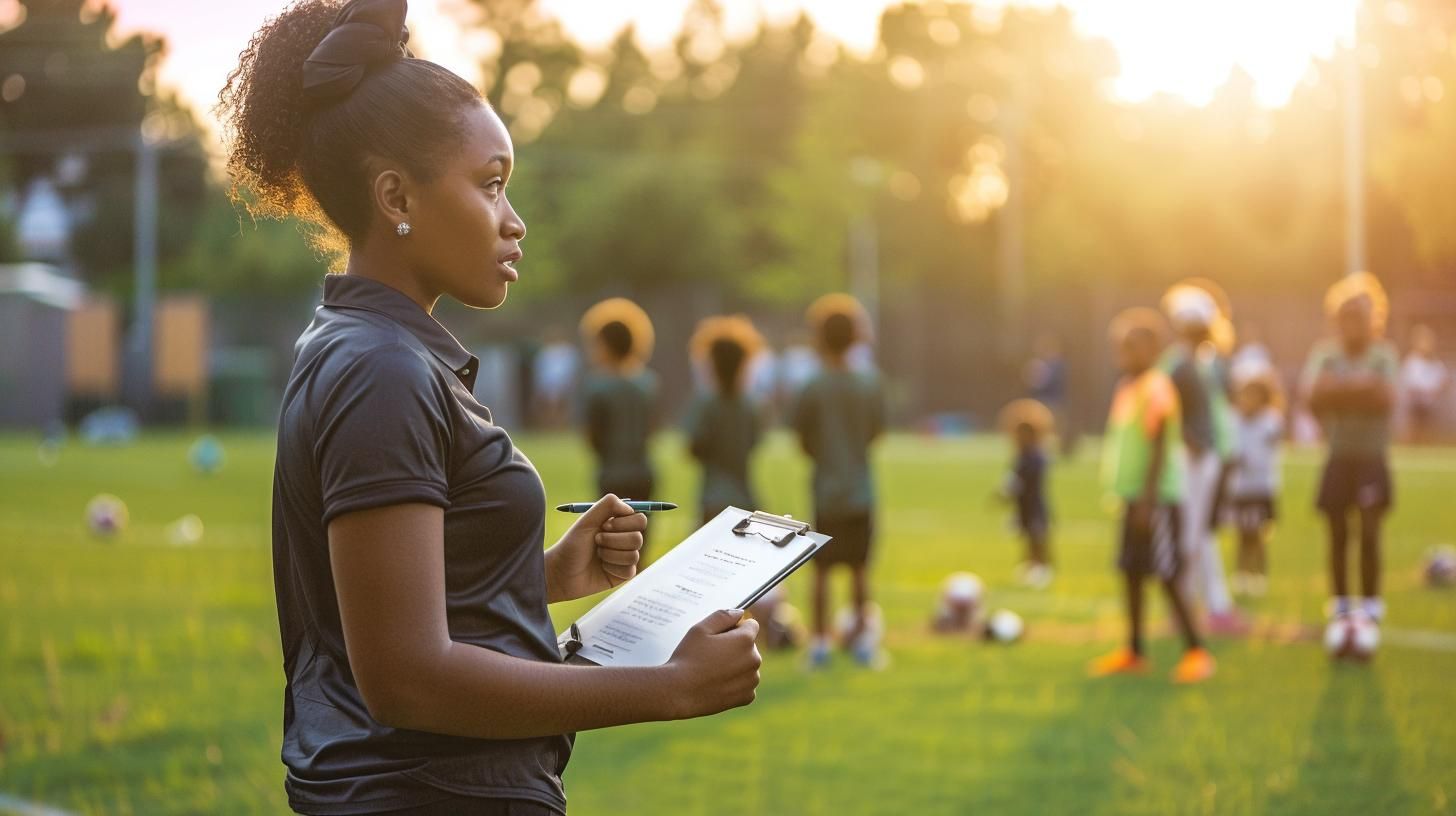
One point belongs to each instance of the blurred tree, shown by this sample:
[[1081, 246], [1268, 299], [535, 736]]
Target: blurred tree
[[72, 100]]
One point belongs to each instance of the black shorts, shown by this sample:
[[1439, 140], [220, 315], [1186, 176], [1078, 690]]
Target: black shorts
[[1362, 483], [1154, 550], [852, 537], [1252, 513]]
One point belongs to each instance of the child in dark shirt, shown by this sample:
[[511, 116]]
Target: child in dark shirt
[[724, 425], [618, 397], [1028, 423]]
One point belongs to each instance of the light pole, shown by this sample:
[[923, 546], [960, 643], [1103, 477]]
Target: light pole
[[1354, 155]]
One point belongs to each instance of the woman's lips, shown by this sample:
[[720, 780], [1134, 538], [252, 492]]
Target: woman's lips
[[507, 265]]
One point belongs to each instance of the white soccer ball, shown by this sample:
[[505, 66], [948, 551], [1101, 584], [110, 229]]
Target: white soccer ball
[[106, 515], [1441, 566], [960, 602], [1005, 626], [185, 531]]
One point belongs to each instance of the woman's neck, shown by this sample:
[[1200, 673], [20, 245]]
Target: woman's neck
[[392, 272]]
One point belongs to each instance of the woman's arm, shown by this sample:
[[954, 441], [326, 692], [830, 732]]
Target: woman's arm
[[389, 574]]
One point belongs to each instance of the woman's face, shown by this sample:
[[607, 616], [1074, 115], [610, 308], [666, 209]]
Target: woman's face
[[465, 236]]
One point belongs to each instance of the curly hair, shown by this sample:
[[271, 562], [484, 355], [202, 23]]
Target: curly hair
[[726, 343], [1356, 286], [623, 327], [290, 156]]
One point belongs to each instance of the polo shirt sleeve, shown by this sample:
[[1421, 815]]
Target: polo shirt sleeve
[[384, 435]]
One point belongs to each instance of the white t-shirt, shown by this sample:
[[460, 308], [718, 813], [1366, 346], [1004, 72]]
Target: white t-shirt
[[1256, 472], [1421, 376]]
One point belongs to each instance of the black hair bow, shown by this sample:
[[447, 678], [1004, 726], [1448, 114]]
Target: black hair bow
[[365, 34]]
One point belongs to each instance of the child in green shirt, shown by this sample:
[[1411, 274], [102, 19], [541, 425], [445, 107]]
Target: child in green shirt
[[839, 413], [1142, 469], [724, 425], [1349, 385], [618, 397]]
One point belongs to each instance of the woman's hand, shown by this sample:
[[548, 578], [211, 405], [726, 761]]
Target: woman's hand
[[600, 551], [715, 667]]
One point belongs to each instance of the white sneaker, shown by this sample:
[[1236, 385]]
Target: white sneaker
[[1039, 576]]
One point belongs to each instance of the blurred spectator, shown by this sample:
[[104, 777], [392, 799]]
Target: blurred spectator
[[1252, 359], [553, 377], [1424, 380], [1045, 377]]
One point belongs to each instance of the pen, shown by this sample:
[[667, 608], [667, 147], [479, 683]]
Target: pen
[[639, 506]]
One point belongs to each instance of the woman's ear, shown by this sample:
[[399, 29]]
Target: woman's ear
[[392, 197]]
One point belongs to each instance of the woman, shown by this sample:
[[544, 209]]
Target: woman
[[422, 670]]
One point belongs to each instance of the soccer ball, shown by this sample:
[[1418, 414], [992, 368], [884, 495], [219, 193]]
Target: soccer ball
[[1441, 566], [185, 531], [1004, 626], [960, 602], [1355, 636], [106, 515], [780, 625], [870, 636], [206, 455]]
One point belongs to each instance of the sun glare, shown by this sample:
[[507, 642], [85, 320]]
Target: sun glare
[[1189, 48]]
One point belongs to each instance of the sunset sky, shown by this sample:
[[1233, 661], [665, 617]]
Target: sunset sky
[[1183, 47]]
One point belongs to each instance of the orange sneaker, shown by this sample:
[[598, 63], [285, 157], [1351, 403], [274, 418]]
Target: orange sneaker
[[1122, 661], [1196, 666]]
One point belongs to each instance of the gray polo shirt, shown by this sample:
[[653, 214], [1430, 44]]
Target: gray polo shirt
[[378, 411]]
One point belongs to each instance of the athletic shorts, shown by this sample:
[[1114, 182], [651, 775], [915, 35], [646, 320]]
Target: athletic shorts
[[1362, 483], [852, 537], [1154, 550], [1252, 513]]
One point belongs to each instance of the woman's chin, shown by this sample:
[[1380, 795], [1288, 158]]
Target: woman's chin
[[486, 297]]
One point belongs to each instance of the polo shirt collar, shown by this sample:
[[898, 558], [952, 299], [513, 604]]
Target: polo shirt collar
[[359, 292]]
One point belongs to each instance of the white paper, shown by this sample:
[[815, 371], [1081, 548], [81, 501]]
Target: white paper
[[644, 620]]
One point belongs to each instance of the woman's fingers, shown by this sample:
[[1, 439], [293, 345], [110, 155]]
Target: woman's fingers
[[632, 522], [619, 558], [619, 541]]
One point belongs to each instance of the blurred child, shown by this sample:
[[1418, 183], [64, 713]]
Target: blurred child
[[1192, 363], [1028, 423], [619, 395], [724, 425], [1349, 385], [1141, 464], [1254, 479], [1424, 380], [837, 415]]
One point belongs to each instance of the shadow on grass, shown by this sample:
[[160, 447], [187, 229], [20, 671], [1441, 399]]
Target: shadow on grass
[[1079, 759], [1352, 757]]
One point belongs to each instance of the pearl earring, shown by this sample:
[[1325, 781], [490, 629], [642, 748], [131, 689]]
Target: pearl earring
[[402, 229]]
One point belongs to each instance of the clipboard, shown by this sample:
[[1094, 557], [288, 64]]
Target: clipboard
[[729, 563]]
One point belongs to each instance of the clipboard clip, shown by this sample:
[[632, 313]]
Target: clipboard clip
[[571, 642], [790, 527]]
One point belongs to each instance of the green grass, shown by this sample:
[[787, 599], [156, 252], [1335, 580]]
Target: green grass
[[138, 677]]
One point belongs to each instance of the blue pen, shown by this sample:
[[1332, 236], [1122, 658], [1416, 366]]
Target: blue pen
[[639, 506]]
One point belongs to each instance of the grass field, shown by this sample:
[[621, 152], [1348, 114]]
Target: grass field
[[139, 677]]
